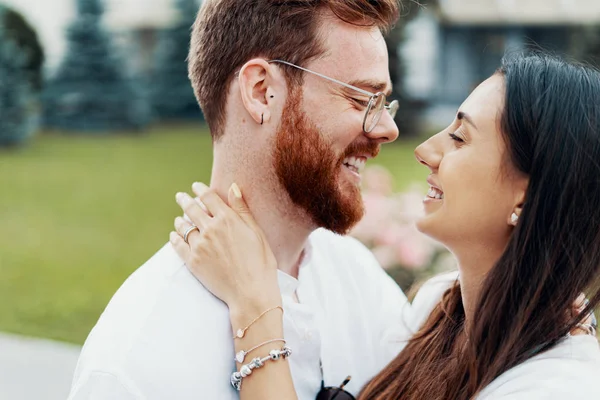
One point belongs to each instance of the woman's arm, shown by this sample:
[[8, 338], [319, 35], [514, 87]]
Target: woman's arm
[[230, 256], [274, 379]]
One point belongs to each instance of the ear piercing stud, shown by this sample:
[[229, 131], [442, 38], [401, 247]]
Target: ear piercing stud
[[514, 218]]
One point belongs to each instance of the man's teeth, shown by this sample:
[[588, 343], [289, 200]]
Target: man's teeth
[[355, 163], [435, 193]]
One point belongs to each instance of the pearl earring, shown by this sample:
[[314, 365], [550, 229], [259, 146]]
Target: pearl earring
[[514, 218]]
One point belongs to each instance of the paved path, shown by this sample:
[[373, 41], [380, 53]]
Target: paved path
[[35, 369]]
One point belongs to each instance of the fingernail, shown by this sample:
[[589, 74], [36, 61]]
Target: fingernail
[[236, 190], [183, 198], [199, 187], [178, 197]]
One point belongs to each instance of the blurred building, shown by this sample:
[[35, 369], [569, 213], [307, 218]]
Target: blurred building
[[451, 48], [135, 23]]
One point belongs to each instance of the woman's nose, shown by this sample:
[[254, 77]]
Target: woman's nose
[[428, 154]]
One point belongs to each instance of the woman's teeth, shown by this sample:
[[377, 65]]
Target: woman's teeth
[[435, 193], [356, 164]]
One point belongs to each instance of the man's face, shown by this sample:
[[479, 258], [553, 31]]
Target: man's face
[[320, 146]]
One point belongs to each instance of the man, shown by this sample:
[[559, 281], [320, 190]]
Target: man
[[295, 142]]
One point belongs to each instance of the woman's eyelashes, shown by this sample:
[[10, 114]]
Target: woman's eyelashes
[[457, 136]]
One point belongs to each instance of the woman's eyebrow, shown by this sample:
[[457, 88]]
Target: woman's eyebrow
[[462, 115]]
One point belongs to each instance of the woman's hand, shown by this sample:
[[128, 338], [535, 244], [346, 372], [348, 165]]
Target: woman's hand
[[589, 324], [228, 253]]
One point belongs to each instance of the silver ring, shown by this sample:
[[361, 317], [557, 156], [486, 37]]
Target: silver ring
[[594, 322], [188, 231]]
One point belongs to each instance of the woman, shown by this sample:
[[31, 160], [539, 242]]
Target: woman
[[515, 196]]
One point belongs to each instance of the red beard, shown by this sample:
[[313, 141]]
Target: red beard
[[309, 170]]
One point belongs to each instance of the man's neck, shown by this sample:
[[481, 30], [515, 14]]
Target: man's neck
[[285, 227], [286, 236]]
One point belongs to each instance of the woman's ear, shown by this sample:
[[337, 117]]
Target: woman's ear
[[259, 82], [517, 208]]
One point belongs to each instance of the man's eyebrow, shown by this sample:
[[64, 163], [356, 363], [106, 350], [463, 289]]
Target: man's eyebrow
[[375, 86], [462, 115]]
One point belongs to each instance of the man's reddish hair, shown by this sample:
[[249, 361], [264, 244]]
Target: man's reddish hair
[[228, 33]]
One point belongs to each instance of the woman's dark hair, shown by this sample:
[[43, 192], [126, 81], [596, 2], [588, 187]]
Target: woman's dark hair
[[551, 127]]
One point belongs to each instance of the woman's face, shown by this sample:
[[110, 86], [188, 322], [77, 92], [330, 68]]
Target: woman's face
[[474, 188]]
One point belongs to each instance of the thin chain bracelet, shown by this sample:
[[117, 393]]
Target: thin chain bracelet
[[241, 332], [246, 370], [241, 355]]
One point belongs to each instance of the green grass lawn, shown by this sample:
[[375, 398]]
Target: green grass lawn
[[79, 214]]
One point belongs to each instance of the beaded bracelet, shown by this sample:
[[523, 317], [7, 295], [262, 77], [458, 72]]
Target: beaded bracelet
[[246, 370], [241, 355]]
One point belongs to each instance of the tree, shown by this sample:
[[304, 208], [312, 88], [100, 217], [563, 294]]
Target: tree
[[91, 91], [25, 37], [16, 99], [172, 94]]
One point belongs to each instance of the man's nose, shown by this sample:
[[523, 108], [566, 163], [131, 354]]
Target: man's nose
[[385, 131]]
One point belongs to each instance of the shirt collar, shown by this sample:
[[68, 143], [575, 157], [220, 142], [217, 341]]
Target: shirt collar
[[287, 283]]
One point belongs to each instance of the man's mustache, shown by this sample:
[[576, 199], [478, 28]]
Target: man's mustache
[[369, 148]]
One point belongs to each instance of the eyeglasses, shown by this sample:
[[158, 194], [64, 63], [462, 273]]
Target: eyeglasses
[[334, 393], [375, 106]]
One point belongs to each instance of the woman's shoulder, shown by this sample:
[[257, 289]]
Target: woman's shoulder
[[570, 369], [429, 295]]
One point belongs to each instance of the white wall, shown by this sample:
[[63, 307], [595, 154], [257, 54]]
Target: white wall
[[537, 12], [420, 53], [50, 18]]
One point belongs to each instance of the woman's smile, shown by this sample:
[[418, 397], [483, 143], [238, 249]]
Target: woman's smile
[[435, 194]]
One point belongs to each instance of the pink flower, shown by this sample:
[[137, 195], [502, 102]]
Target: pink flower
[[388, 226]]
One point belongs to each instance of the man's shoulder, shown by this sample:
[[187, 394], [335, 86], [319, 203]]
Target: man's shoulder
[[162, 281], [344, 246], [346, 258], [161, 311]]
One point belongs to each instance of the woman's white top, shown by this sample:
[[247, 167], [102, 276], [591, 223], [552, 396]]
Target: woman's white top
[[570, 370]]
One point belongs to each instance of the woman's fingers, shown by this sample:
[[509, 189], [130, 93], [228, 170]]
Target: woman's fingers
[[238, 204], [588, 325], [181, 247], [187, 231], [192, 209], [211, 200]]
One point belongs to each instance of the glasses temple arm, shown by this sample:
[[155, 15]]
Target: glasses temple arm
[[366, 93]]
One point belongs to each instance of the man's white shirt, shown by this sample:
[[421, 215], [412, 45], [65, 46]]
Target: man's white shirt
[[164, 336]]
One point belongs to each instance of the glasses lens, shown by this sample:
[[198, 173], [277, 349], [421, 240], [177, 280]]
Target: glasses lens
[[332, 393], [374, 110], [393, 108]]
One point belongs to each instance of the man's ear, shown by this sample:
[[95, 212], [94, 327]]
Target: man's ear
[[260, 85]]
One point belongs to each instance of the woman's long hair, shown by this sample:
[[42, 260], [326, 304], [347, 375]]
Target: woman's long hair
[[551, 127]]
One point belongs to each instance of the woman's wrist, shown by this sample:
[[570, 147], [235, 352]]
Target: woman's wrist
[[254, 302], [243, 313], [250, 320]]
